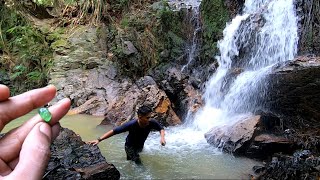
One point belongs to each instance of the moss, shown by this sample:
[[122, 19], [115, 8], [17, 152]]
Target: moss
[[214, 16], [59, 43], [170, 31]]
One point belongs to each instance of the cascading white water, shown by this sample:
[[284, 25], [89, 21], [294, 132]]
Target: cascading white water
[[193, 46], [265, 34], [193, 15]]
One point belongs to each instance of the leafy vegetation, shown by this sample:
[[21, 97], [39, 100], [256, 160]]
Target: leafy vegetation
[[157, 33], [26, 56], [170, 29], [215, 16]]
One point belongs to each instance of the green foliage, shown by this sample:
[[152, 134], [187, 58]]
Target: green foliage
[[57, 39], [124, 22], [29, 54], [151, 29], [215, 16], [170, 29]]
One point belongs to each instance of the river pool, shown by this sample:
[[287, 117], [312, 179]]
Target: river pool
[[185, 156]]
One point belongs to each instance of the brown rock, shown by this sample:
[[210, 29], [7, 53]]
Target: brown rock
[[270, 138], [295, 91], [233, 138]]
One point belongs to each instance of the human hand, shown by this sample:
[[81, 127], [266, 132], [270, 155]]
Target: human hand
[[25, 150], [93, 142], [163, 142]]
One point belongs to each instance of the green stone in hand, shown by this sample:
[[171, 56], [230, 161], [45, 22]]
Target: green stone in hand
[[45, 114]]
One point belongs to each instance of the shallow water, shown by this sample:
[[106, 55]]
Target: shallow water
[[186, 155]]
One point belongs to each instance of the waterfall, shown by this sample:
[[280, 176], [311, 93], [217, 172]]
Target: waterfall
[[193, 16], [265, 34], [192, 48]]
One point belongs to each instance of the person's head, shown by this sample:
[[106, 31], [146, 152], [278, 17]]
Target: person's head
[[144, 114]]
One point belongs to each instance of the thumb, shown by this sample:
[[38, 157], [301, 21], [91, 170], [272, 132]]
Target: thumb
[[35, 153]]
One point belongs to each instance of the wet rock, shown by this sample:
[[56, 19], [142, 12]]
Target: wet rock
[[248, 29], [258, 169], [71, 158], [234, 138], [143, 92], [264, 145], [251, 137], [145, 81], [294, 92], [234, 6], [179, 89], [292, 167], [308, 12]]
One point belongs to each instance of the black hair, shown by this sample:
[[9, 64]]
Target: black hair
[[144, 110]]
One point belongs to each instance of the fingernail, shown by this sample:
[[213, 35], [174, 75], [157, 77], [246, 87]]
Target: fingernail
[[45, 129], [50, 85], [63, 100]]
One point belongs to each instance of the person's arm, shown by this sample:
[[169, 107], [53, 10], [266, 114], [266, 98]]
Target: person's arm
[[155, 125], [120, 129], [103, 137], [162, 140]]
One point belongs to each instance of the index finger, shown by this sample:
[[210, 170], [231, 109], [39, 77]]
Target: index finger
[[21, 104], [4, 92], [11, 142]]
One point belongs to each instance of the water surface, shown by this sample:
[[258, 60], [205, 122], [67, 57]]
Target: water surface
[[186, 155]]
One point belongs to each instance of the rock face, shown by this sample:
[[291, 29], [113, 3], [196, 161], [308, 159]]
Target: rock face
[[294, 97], [82, 71], [86, 74], [71, 158], [144, 91], [234, 6], [295, 91], [183, 91], [309, 31]]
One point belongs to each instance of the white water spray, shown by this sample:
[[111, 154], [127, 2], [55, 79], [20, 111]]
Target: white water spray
[[266, 34], [193, 47]]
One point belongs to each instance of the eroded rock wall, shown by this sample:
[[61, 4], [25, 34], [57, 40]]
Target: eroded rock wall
[[89, 76]]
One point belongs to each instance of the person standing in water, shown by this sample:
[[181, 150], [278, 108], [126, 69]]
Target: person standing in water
[[139, 130]]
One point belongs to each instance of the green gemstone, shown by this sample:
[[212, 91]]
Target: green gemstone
[[45, 114]]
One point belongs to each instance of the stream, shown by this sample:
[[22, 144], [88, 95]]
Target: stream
[[186, 155]]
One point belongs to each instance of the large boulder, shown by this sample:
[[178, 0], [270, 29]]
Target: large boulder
[[252, 136], [183, 91], [143, 92], [294, 92], [71, 158], [294, 97], [232, 137]]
